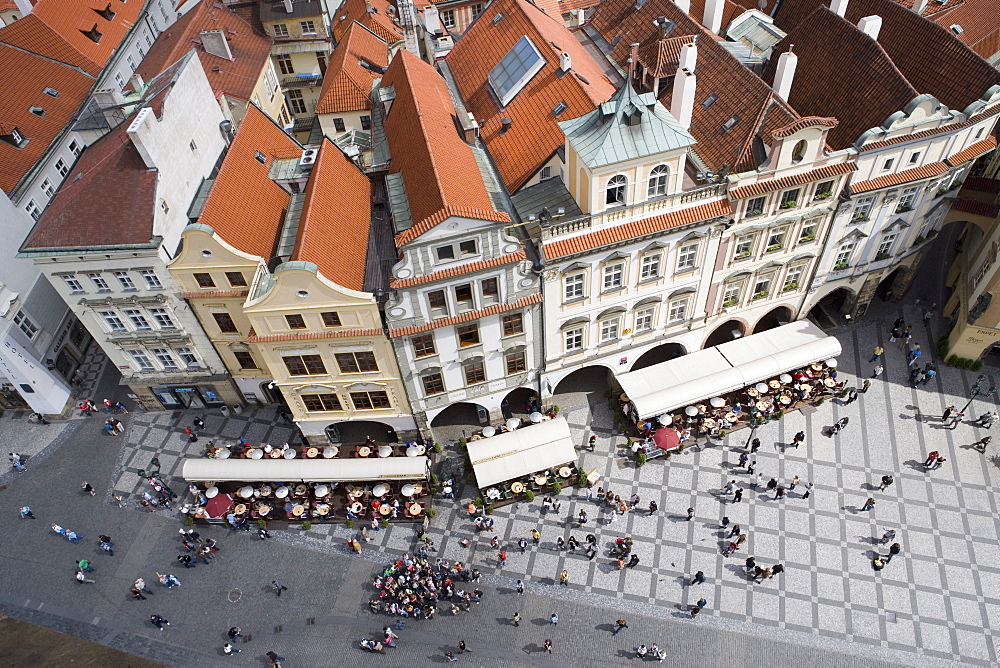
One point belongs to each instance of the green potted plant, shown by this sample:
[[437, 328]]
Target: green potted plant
[[529, 495], [826, 195], [790, 204], [349, 523], [489, 508], [556, 487], [307, 525], [840, 265], [555, 409], [791, 286], [478, 502], [437, 447], [431, 512], [435, 479], [729, 302], [462, 441], [384, 523], [761, 294], [640, 459], [188, 520], [262, 524]]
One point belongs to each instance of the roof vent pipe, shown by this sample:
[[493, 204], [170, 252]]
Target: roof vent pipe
[[839, 7], [684, 5], [871, 25], [505, 124]]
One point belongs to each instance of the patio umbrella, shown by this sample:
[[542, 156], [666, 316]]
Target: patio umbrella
[[211, 492], [246, 492], [691, 411], [329, 453], [513, 423], [832, 363], [717, 402], [761, 387], [535, 417], [256, 453], [412, 451], [785, 378], [380, 490], [384, 451], [322, 490], [289, 453], [408, 490], [489, 431], [666, 439], [223, 453], [281, 492], [219, 505]]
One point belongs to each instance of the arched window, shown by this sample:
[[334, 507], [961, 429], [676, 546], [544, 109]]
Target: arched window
[[615, 192], [658, 181], [799, 151]]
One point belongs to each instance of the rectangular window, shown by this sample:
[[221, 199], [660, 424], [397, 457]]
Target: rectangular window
[[650, 267], [370, 400], [776, 239], [236, 279], [141, 360], [189, 358], [225, 323], [789, 199], [573, 339], [138, 319], [438, 304], [433, 383], [573, 287], [245, 359], [744, 247], [755, 207], [164, 357], [762, 288], [124, 280], [445, 253], [204, 280], [100, 284], [152, 280], [24, 323], [863, 208], [62, 167], [516, 363], [448, 18], [792, 279], [466, 248], [824, 190], [295, 321], [731, 296], [906, 199], [686, 256], [614, 275], [677, 310], [112, 320], [33, 209], [360, 362], [47, 188], [75, 148], [162, 318], [366, 122], [468, 335], [475, 372], [464, 299], [330, 319], [120, 80], [73, 284], [843, 255], [808, 232], [315, 403], [491, 291], [477, 9], [308, 27], [545, 174], [131, 63], [914, 157], [644, 319], [885, 246], [285, 64], [609, 330], [280, 30], [296, 102], [304, 365], [887, 165], [423, 345], [338, 125], [513, 324]]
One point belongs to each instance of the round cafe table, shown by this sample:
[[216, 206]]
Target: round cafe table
[[417, 488], [385, 509], [323, 509], [356, 507], [421, 449], [263, 509], [312, 452], [493, 493], [541, 480], [275, 454], [281, 492], [829, 382], [517, 487], [565, 472], [211, 492], [732, 417], [415, 509], [240, 509], [265, 490], [774, 384], [364, 451], [356, 492], [298, 511]]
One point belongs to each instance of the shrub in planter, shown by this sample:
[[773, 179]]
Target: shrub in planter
[[581, 479], [307, 525], [189, 520], [942, 346], [478, 502], [349, 524], [384, 523], [462, 441], [680, 449], [821, 401], [555, 409], [262, 524], [640, 459], [953, 360], [435, 479], [556, 487], [489, 508], [431, 512], [529, 495], [437, 447]]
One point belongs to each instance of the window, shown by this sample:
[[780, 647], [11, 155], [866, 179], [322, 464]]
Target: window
[[477, 9], [755, 207], [141, 360], [164, 206], [280, 30], [677, 310], [448, 18], [686, 256], [423, 345], [545, 174], [120, 80], [62, 167], [799, 151], [438, 304], [236, 279], [124, 280], [906, 199], [792, 279], [112, 320], [731, 296], [887, 165], [445, 253], [744, 247], [573, 339], [360, 362], [47, 188], [285, 64], [304, 365], [843, 255], [914, 157], [296, 102], [189, 358], [137, 318], [245, 359], [649, 268], [613, 276], [514, 70], [762, 288], [885, 246], [513, 324], [776, 239], [308, 27], [100, 284], [614, 192], [131, 63], [330, 319], [316, 403], [225, 323], [824, 190], [658, 181], [338, 125], [464, 299], [468, 335], [863, 208], [789, 199], [609, 330], [295, 321], [370, 400], [516, 363], [75, 148], [164, 357], [33, 209], [808, 232], [491, 291], [24, 323], [152, 280], [474, 372], [204, 280], [433, 383], [573, 287], [366, 122], [644, 319], [162, 318], [75, 287], [470, 247]]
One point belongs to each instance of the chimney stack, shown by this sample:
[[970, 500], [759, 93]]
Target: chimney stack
[[288, 6], [919, 6], [109, 101], [432, 20], [505, 124], [685, 5], [216, 44], [688, 58], [713, 15], [24, 6], [565, 63], [871, 25], [137, 82], [137, 131], [839, 7], [785, 73], [685, 83]]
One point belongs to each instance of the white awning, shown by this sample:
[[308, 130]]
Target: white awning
[[517, 453], [305, 470], [727, 367]]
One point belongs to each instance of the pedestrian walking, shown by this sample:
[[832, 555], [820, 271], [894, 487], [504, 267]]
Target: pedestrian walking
[[752, 467], [886, 481], [699, 578], [235, 632], [877, 371], [744, 458], [548, 646], [81, 578], [158, 621], [84, 566], [798, 439], [199, 423], [690, 514], [26, 512], [982, 443], [519, 587], [535, 536], [694, 611], [633, 560], [278, 587], [869, 504], [554, 618], [137, 594], [522, 543], [894, 550], [876, 354], [735, 531], [738, 496], [754, 445], [947, 413], [653, 508], [777, 569], [564, 578], [86, 487], [852, 396], [771, 484], [106, 546], [779, 493], [462, 649], [751, 564], [450, 656], [560, 543], [502, 559], [619, 625], [915, 354], [809, 489], [795, 481], [140, 584], [758, 481], [865, 385], [190, 435], [229, 650]]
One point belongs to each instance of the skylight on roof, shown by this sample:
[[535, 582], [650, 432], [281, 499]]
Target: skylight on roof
[[559, 108], [52, 92], [709, 101], [731, 123], [515, 70]]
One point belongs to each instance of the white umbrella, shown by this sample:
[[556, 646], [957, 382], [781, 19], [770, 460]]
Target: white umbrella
[[321, 490], [535, 417], [223, 454], [832, 363], [412, 451], [281, 492], [785, 378], [256, 453], [665, 419], [211, 492], [717, 402], [691, 411], [246, 492], [329, 453], [380, 490], [289, 453], [408, 489], [385, 451], [513, 423], [489, 431], [761, 387]]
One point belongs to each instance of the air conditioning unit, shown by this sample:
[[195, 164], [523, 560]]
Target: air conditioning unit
[[308, 158]]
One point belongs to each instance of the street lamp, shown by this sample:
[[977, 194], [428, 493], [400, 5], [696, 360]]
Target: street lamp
[[755, 422], [976, 391]]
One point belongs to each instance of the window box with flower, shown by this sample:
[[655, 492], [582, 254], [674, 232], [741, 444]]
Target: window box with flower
[[822, 196], [790, 286], [807, 238], [903, 208], [775, 247], [761, 294], [790, 204], [729, 303], [839, 266], [882, 256]]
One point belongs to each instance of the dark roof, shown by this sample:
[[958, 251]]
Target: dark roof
[[551, 194], [274, 10]]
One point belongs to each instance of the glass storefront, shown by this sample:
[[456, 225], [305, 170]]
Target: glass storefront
[[187, 396]]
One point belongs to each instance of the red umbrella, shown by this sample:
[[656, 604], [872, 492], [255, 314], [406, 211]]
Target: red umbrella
[[219, 505], [665, 439]]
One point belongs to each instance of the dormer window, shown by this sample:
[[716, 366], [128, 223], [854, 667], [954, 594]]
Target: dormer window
[[515, 70], [615, 190], [106, 13], [13, 137], [94, 35], [658, 181], [37, 111]]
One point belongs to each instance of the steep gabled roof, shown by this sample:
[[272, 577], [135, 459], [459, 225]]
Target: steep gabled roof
[[534, 135], [348, 83], [439, 170], [979, 20], [336, 218], [245, 207], [376, 15], [235, 78]]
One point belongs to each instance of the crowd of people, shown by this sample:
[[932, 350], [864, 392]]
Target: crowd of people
[[412, 586]]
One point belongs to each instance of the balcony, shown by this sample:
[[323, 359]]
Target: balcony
[[302, 81]]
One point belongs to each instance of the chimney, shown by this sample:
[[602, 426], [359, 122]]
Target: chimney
[[138, 132], [505, 124], [288, 6], [839, 7], [215, 43], [633, 60], [688, 58], [870, 25], [432, 20], [23, 6], [565, 63], [109, 100], [470, 129], [639, 4], [685, 5], [785, 73], [919, 6], [682, 102], [713, 15], [137, 82], [665, 25]]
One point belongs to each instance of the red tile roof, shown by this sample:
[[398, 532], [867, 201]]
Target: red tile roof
[[245, 207], [459, 270], [107, 199], [923, 134], [905, 176], [534, 134], [661, 57], [306, 336], [378, 20], [980, 21], [976, 208], [729, 11], [980, 184], [771, 185], [551, 7], [612, 235], [439, 170], [348, 84], [570, 5], [468, 316], [235, 78], [972, 152], [336, 219], [803, 123]]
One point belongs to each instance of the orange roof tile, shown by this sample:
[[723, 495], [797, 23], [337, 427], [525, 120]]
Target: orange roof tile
[[439, 170], [972, 152], [570, 5], [551, 7], [905, 176], [640, 228], [730, 11], [770, 185], [981, 184], [348, 84], [468, 316], [378, 20], [245, 207], [979, 19], [660, 57], [306, 336], [803, 123], [976, 208], [459, 270], [337, 207], [235, 78], [534, 135]]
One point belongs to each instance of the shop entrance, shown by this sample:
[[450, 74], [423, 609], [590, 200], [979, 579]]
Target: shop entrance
[[187, 396]]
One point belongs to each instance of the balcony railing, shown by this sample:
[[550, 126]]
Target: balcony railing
[[302, 82]]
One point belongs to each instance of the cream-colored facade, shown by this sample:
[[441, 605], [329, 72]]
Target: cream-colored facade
[[266, 95]]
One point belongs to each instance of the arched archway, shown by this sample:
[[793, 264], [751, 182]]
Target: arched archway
[[661, 353], [890, 286], [462, 414], [830, 310], [359, 431], [776, 317], [519, 402], [585, 379], [727, 331]]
